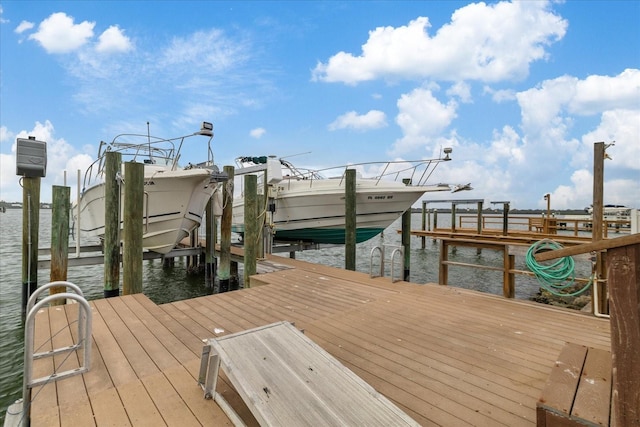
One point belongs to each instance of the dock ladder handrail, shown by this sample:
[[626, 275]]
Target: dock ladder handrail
[[396, 250], [84, 340]]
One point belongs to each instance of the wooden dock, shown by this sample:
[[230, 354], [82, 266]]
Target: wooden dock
[[446, 356]]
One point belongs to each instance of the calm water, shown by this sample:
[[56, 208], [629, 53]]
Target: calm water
[[165, 285]]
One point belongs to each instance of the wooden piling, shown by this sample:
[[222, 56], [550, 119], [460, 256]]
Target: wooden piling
[[350, 220], [453, 217], [61, 198], [424, 224], [505, 219], [598, 217], [112, 209], [509, 278], [251, 227], [623, 272], [224, 272], [479, 225], [133, 228], [406, 239], [30, 226], [210, 244]]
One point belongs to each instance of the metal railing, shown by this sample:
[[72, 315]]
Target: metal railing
[[83, 341]]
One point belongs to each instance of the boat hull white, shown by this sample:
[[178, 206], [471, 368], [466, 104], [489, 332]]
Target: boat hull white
[[315, 212], [173, 206]]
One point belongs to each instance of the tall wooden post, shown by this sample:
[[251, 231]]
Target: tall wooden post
[[112, 209], [210, 244], [598, 190], [424, 223], [133, 224], [406, 238], [350, 220], [479, 225], [224, 272], [623, 272], [505, 219], [597, 218], [435, 219], [479, 228], [30, 226], [59, 238], [453, 217], [251, 227]]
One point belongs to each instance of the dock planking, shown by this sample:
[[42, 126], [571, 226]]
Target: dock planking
[[446, 356]]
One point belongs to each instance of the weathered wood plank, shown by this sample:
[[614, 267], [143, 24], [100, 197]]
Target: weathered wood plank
[[623, 272], [115, 361], [44, 408], [172, 408], [72, 394], [289, 380], [207, 412], [563, 381], [593, 398], [108, 409], [135, 355], [156, 352], [139, 405]]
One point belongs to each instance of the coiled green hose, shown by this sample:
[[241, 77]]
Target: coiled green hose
[[556, 277]]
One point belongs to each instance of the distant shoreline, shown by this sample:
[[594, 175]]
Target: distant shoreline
[[413, 210]]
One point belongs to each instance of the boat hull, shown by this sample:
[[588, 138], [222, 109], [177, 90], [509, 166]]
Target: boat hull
[[173, 206], [315, 212]]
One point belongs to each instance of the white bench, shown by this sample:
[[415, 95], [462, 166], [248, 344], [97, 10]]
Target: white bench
[[285, 379]]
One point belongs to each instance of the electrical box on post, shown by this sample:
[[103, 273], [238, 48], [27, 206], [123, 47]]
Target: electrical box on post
[[31, 157]]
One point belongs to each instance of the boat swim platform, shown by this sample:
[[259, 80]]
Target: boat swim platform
[[443, 355]]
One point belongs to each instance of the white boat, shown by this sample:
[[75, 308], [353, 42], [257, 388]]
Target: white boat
[[174, 197], [305, 206]]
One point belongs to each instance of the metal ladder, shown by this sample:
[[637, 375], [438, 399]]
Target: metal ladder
[[21, 410], [381, 249]]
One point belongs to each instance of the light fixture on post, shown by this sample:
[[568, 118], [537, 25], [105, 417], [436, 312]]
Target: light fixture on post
[[447, 151], [206, 129]]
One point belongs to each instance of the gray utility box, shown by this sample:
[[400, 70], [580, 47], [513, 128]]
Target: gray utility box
[[31, 157]]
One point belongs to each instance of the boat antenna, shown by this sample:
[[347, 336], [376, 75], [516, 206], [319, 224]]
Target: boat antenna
[[294, 155], [149, 142]]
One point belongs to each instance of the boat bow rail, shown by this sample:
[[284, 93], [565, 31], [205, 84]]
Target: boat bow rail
[[411, 172]]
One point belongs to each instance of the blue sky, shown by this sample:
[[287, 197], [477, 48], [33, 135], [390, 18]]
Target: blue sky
[[520, 90]]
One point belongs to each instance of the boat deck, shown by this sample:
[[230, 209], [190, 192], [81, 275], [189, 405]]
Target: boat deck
[[446, 356]]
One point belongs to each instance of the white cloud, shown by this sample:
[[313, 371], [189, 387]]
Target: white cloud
[[599, 93], [623, 127], [59, 34], [552, 101], [461, 90], [257, 132], [506, 148], [24, 26], [422, 118], [501, 95], [210, 50], [482, 42], [373, 119], [5, 134], [113, 40]]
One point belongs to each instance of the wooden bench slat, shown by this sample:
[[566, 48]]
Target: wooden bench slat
[[593, 399], [562, 384]]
